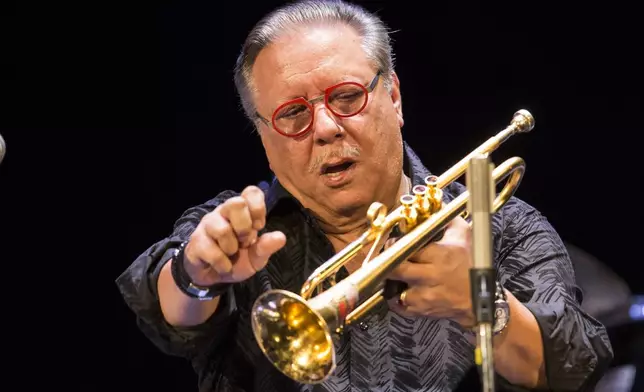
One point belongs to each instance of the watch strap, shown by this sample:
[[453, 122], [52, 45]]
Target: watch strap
[[501, 311]]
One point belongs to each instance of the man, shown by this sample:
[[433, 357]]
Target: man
[[317, 80]]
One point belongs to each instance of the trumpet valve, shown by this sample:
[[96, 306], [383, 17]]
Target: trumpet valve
[[409, 212], [422, 200], [434, 194], [407, 201]]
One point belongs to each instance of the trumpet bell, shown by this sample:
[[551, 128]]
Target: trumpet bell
[[294, 337]]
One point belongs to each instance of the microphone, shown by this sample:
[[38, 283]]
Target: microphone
[[3, 148], [482, 276]]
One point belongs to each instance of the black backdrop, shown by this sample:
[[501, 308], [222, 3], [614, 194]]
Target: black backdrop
[[139, 101]]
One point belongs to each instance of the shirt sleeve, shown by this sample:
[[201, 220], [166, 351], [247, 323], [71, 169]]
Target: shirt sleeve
[[536, 268], [138, 287]]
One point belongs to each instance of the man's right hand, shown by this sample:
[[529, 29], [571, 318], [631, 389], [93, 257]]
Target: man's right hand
[[225, 246]]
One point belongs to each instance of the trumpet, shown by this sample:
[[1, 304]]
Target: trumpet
[[296, 332]]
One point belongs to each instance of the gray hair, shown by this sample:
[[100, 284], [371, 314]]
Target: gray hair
[[375, 39]]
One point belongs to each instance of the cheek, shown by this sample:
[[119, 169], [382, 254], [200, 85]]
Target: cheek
[[287, 158], [384, 119], [369, 130], [384, 132]]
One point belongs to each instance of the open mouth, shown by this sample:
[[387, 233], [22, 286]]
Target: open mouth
[[333, 170]]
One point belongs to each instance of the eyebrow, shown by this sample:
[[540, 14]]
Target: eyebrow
[[335, 82]]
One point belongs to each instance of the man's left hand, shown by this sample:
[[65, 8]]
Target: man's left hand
[[438, 278]]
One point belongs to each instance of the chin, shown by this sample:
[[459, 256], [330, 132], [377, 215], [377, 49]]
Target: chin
[[349, 202]]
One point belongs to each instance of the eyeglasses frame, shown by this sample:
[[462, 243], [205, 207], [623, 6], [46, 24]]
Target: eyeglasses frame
[[369, 87]]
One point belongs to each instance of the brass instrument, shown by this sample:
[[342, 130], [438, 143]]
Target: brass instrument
[[295, 332]]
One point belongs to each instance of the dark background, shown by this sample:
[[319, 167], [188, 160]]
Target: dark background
[[119, 116]]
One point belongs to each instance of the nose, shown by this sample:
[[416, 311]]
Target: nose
[[326, 130]]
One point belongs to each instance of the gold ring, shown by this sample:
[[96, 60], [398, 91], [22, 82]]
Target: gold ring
[[402, 300]]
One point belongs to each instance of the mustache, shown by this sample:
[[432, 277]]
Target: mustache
[[344, 152]]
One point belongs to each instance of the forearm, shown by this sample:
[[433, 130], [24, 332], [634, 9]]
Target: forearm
[[518, 350], [178, 309]]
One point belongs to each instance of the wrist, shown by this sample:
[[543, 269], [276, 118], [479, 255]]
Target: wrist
[[501, 310], [519, 349], [501, 313]]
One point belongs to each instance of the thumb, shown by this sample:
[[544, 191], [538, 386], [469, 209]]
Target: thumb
[[264, 247], [390, 242]]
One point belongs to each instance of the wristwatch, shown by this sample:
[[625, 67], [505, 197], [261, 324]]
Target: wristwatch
[[501, 310], [184, 282]]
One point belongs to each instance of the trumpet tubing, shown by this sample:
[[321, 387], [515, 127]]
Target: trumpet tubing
[[295, 332]]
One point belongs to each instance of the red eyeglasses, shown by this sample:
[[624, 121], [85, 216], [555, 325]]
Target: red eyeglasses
[[295, 118]]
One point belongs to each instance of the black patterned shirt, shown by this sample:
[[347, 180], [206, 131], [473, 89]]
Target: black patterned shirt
[[385, 352]]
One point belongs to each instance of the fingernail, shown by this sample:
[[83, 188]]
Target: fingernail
[[258, 224]]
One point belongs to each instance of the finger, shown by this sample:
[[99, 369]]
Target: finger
[[403, 309], [416, 300], [235, 210], [256, 206], [394, 306], [413, 273], [456, 228], [266, 245], [200, 272], [219, 229], [206, 250], [390, 242], [429, 254], [393, 288]]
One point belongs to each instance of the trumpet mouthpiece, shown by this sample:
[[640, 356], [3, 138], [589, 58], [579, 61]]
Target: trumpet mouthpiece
[[523, 121]]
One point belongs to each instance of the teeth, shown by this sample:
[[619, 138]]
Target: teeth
[[333, 174]]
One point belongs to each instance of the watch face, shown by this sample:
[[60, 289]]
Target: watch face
[[501, 315]]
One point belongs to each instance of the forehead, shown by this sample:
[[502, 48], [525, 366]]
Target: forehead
[[309, 59]]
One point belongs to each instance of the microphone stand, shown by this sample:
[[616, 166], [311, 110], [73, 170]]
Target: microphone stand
[[482, 192]]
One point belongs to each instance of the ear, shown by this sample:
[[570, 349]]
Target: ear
[[396, 97]]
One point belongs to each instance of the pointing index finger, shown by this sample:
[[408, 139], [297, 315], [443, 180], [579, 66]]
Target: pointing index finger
[[256, 205]]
